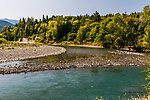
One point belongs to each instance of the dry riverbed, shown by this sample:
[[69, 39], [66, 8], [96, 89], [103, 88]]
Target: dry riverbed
[[116, 58], [21, 53]]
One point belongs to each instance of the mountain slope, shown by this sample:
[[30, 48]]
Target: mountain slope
[[5, 23], [11, 21]]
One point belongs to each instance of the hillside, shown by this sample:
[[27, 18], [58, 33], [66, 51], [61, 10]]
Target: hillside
[[11, 21], [5, 23]]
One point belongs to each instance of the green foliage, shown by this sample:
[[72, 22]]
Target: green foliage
[[2, 40], [111, 31], [146, 11], [81, 34]]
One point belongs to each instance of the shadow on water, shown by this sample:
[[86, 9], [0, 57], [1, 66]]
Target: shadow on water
[[147, 70], [106, 69]]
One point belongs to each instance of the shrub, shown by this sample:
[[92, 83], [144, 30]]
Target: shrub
[[2, 40], [39, 39]]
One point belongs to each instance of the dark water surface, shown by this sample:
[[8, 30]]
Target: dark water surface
[[74, 84]]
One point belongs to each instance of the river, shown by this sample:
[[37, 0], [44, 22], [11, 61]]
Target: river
[[74, 84]]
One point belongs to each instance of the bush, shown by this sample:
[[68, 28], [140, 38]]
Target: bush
[[70, 42], [139, 49], [64, 43], [1, 35], [51, 42], [39, 39], [2, 40], [107, 45]]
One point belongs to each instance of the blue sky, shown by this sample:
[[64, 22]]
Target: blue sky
[[16, 9]]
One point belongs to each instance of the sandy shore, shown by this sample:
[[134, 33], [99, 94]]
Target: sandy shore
[[21, 53]]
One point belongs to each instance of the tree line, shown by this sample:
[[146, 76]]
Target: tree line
[[111, 31]]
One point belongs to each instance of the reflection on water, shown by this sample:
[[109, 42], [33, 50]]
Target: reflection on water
[[112, 69], [147, 69]]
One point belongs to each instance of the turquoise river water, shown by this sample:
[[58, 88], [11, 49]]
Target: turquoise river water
[[74, 84]]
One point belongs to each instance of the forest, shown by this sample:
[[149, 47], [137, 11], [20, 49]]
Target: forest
[[110, 31]]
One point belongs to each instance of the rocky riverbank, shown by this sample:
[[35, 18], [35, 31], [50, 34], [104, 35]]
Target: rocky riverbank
[[21, 53], [117, 58]]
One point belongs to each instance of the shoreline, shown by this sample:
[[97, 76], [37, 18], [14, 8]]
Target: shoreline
[[22, 53], [92, 62], [74, 45], [99, 46], [88, 63]]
